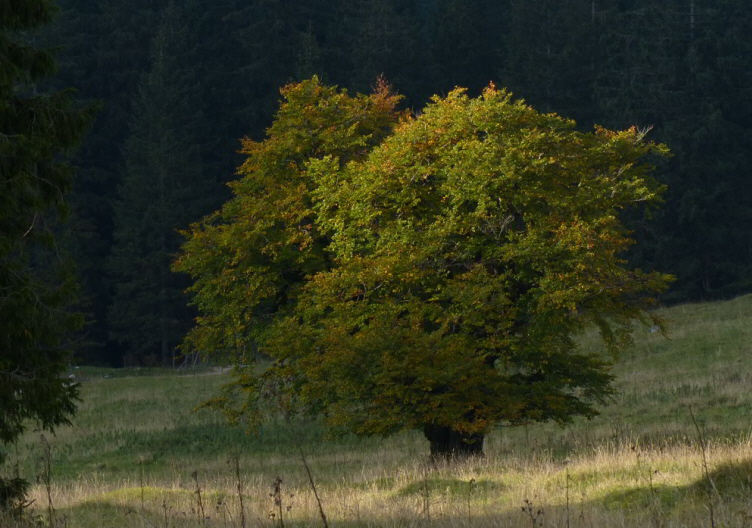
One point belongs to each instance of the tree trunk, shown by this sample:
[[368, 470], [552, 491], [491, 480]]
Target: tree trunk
[[447, 444]]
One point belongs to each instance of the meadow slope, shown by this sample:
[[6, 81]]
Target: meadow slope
[[138, 456]]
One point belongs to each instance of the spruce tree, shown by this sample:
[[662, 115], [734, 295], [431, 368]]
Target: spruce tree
[[36, 284], [163, 189], [308, 57]]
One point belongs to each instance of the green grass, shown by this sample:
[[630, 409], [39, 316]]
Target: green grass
[[137, 452]]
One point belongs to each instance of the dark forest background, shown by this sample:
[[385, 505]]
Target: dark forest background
[[181, 81]]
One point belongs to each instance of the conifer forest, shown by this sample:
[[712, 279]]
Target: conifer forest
[[179, 83]]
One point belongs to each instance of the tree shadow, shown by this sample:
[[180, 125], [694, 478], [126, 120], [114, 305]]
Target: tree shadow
[[727, 489]]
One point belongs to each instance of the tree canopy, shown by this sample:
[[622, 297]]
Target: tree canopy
[[682, 67], [433, 275]]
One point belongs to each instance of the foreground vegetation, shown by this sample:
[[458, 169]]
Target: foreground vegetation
[[137, 456]]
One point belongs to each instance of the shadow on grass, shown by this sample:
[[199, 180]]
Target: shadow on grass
[[213, 438], [127, 450], [728, 488], [147, 507], [728, 480]]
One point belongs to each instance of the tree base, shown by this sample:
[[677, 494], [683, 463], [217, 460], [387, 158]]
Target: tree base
[[448, 444]]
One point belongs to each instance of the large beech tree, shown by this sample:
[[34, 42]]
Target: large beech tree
[[441, 276]]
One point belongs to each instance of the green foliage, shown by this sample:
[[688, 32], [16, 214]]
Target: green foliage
[[435, 280], [470, 248]]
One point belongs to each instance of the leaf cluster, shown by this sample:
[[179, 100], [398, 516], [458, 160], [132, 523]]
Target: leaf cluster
[[249, 259]]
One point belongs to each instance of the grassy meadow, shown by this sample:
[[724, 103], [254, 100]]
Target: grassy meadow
[[137, 456]]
